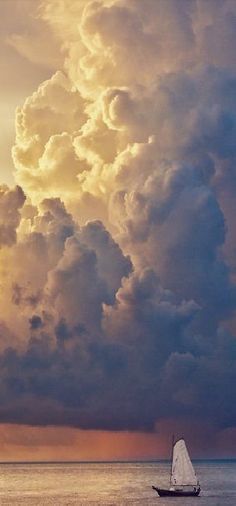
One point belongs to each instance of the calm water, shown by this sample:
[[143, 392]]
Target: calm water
[[110, 484]]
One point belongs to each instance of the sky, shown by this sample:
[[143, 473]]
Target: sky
[[117, 228]]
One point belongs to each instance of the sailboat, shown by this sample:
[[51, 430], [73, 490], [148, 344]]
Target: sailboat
[[183, 480]]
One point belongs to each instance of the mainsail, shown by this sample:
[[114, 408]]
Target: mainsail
[[182, 472]]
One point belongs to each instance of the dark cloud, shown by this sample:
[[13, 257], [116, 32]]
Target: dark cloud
[[74, 286], [35, 322], [138, 371], [111, 263]]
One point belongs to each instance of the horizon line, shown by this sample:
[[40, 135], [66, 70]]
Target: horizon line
[[115, 461]]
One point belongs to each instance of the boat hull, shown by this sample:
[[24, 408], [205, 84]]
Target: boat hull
[[162, 492]]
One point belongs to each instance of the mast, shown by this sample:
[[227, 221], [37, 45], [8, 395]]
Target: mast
[[171, 460]]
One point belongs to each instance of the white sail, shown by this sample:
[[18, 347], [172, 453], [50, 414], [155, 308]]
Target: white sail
[[182, 472]]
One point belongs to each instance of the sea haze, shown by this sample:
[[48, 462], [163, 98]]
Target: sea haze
[[108, 483]]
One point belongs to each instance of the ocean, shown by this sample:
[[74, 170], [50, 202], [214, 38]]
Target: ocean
[[110, 484]]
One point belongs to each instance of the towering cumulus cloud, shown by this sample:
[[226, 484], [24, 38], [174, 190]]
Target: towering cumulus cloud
[[118, 260]]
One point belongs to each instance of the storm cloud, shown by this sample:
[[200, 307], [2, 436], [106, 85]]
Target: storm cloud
[[118, 253]]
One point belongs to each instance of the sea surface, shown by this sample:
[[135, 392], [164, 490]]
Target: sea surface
[[110, 484]]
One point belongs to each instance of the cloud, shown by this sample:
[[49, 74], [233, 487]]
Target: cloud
[[93, 381], [44, 128], [75, 287], [111, 263], [123, 268], [11, 201], [111, 381]]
